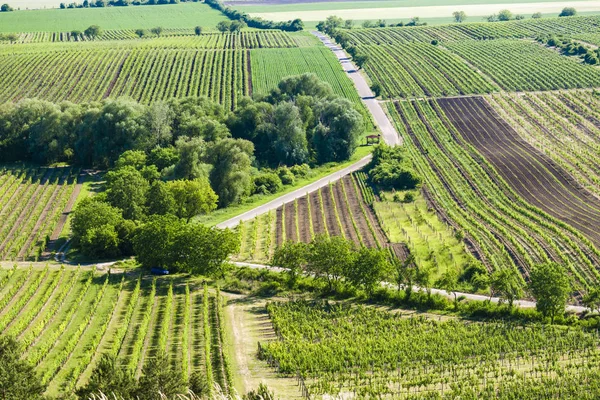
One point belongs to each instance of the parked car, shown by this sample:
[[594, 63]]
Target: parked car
[[159, 271]]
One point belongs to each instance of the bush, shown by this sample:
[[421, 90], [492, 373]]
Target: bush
[[286, 176], [300, 170], [267, 183], [568, 12]]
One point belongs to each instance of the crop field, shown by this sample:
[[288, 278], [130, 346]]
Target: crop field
[[183, 15], [345, 351], [564, 125], [146, 75], [32, 206], [431, 242], [503, 228], [269, 66], [185, 38], [340, 209], [535, 177], [421, 69], [528, 28], [526, 66], [66, 318]]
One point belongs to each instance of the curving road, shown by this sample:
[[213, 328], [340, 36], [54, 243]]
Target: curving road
[[390, 136]]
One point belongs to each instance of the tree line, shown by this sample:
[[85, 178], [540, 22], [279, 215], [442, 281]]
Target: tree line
[[253, 22], [268, 139]]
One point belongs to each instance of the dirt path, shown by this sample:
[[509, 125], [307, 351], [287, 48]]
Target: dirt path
[[249, 324]]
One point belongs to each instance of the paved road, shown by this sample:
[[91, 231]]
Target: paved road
[[390, 135], [286, 198], [468, 296]]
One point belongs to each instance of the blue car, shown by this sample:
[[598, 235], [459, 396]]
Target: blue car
[[159, 271]]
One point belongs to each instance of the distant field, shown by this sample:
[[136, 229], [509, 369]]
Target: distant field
[[269, 66], [271, 6], [430, 11], [186, 15]]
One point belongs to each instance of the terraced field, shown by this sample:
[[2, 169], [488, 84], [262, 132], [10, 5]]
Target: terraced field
[[32, 206], [535, 177], [340, 350], [529, 28], [66, 318], [519, 65], [185, 38], [564, 125]]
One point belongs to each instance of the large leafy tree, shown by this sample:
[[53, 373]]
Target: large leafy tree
[[507, 284], [291, 256], [230, 177], [153, 241], [202, 250], [551, 287], [369, 268], [126, 189], [339, 126], [91, 213], [191, 198], [329, 259], [18, 380], [289, 142]]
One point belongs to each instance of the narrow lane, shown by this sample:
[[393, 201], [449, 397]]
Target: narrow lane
[[390, 135]]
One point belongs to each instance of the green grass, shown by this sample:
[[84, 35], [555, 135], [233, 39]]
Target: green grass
[[185, 15], [430, 240], [258, 200]]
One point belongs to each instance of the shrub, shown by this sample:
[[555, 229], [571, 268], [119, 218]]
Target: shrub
[[267, 183]]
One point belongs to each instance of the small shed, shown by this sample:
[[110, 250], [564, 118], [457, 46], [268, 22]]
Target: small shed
[[373, 139]]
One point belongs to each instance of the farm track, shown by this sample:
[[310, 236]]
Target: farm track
[[533, 175]]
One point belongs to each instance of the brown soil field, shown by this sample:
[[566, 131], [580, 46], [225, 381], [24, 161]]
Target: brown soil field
[[533, 175]]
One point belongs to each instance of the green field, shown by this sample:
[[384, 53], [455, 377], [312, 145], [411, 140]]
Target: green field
[[343, 350], [270, 66], [184, 15], [76, 314]]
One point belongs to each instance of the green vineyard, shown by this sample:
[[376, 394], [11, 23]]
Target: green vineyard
[[66, 318], [350, 351], [270, 66], [32, 202], [518, 65], [419, 69]]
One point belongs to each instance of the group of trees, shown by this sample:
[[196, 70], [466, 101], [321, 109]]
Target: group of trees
[[140, 214], [333, 260], [231, 26], [570, 47], [119, 3], [156, 31], [336, 261], [333, 23], [391, 169], [507, 15], [253, 22], [300, 122], [6, 8]]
